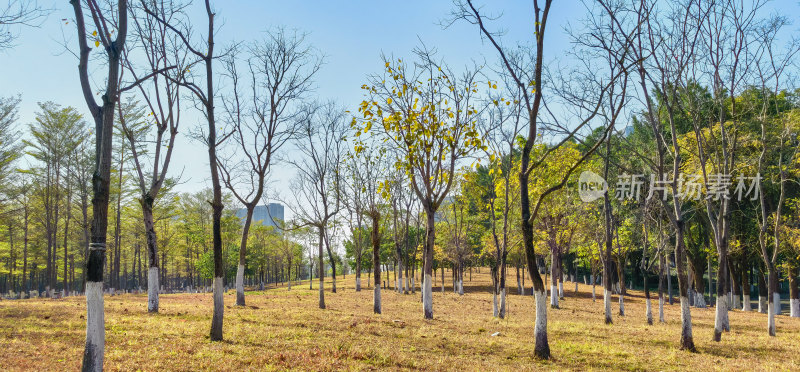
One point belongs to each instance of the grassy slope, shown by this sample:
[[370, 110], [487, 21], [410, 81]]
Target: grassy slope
[[285, 330]]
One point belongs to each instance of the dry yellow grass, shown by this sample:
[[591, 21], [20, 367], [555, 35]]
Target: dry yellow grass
[[281, 330]]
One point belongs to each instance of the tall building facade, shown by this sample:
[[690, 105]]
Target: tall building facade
[[267, 215]]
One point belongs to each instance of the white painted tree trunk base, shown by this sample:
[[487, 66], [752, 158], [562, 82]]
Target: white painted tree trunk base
[[794, 307], [321, 292], [686, 318], [495, 308], [661, 310], [762, 304], [358, 284], [777, 301], [607, 305], [594, 296], [540, 323], [621, 305], [427, 296], [720, 313], [560, 289], [152, 290], [502, 312], [699, 300], [376, 300], [95, 327], [240, 285], [219, 308], [649, 312], [553, 297], [771, 318], [746, 305]]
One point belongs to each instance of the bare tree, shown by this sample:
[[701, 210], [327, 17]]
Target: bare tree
[[505, 122], [665, 45], [316, 188], [727, 29], [205, 98], [457, 225], [772, 72], [529, 78], [107, 22], [263, 117], [151, 146], [353, 198], [402, 199], [370, 174]]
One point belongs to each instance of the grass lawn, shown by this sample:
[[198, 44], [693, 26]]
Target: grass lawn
[[281, 330]]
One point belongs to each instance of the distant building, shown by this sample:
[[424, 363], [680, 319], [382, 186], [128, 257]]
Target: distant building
[[448, 201], [267, 215], [628, 131]]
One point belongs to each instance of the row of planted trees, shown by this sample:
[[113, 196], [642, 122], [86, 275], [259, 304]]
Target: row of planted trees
[[679, 126], [676, 121]]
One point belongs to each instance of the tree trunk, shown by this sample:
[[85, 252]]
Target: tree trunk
[[358, 273], [495, 284], [621, 278], [376, 266], [662, 262], [794, 296], [553, 279], [762, 292], [699, 286], [427, 283], [669, 283], [25, 283], [607, 289], [746, 306], [442, 265], [774, 299], [118, 227], [648, 309], [687, 340], [103, 116], [321, 269], [65, 287], [153, 284], [721, 313], [710, 287], [541, 345], [736, 285], [243, 254]]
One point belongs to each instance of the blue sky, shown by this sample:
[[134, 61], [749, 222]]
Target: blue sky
[[351, 35]]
